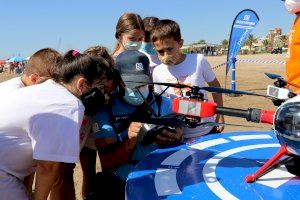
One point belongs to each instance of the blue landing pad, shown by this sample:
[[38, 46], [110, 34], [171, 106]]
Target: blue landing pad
[[213, 167]]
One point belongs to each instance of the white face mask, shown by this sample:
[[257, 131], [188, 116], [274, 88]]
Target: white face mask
[[292, 6], [133, 96], [132, 45]]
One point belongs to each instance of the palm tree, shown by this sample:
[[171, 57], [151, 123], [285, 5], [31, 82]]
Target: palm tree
[[201, 42], [250, 41], [266, 43], [225, 44]]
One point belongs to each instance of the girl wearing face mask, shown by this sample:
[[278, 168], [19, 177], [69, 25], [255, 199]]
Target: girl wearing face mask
[[292, 57], [129, 33]]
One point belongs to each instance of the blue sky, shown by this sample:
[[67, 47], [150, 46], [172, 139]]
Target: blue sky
[[27, 26]]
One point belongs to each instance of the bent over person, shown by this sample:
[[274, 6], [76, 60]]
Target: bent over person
[[39, 125], [119, 140]]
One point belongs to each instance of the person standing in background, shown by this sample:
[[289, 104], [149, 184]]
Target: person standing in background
[[147, 45], [129, 33]]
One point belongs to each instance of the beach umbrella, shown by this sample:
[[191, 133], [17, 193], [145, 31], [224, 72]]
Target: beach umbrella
[[2, 62], [16, 59]]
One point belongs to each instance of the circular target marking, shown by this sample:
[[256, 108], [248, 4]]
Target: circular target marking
[[209, 170], [213, 167], [165, 179]]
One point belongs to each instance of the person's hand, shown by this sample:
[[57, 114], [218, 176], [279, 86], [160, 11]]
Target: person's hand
[[167, 137], [134, 130], [220, 119]]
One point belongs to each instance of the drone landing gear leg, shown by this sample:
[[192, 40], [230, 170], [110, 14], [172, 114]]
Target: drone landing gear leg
[[282, 151]]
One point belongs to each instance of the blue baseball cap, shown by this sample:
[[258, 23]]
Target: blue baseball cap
[[133, 67]]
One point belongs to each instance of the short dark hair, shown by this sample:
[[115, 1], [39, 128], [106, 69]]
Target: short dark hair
[[166, 28], [149, 24], [74, 63]]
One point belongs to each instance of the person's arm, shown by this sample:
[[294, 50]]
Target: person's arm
[[120, 154], [218, 99], [46, 174]]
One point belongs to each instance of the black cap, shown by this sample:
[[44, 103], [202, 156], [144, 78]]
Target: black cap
[[133, 66]]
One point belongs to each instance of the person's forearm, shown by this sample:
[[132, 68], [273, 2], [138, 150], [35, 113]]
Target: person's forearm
[[46, 174], [120, 155], [218, 99]]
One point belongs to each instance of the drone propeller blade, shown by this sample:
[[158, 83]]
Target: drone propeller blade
[[273, 76], [209, 89], [176, 85], [278, 77], [292, 84], [228, 91]]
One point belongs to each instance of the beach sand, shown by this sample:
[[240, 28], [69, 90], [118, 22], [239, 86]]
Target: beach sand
[[249, 77]]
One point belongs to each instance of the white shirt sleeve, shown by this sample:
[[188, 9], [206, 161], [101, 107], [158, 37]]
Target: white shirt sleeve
[[207, 71], [157, 88], [57, 137]]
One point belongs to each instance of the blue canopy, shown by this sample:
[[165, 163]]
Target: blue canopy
[[16, 59]]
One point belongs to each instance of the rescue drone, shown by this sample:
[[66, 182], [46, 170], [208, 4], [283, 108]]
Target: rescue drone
[[286, 119]]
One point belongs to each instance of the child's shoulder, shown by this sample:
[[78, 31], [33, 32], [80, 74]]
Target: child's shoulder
[[159, 68]]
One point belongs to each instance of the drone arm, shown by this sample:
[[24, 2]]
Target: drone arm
[[267, 116], [251, 114]]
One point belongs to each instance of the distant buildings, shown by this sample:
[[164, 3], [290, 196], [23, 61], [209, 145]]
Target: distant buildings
[[273, 40], [208, 49]]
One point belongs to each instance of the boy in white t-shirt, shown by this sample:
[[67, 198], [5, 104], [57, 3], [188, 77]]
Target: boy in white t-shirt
[[188, 69], [38, 70]]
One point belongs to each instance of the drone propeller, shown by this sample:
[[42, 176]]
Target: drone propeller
[[278, 77], [208, 89], [228, 91], [273, 76]]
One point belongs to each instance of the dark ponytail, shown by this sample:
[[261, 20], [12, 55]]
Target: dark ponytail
[[75, 63]]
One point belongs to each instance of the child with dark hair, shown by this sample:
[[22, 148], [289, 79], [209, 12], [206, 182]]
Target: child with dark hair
[[129, 33], [147, 45], [188, 69], [89, 151], [46, 131]]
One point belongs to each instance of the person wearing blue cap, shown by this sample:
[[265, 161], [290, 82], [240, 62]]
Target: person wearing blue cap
[[118, 138]]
